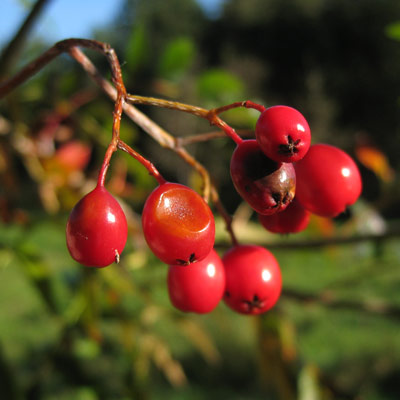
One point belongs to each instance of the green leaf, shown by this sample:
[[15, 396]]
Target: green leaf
[[136, 48], [177, 58], [393, 31], [86, 348], [220, 86]]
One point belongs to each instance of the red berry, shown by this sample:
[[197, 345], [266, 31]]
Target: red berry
[[266, 185], [328, 180], [97, 229], [198, 287], [73, 155], [292, 220], [178, 224], [283, 134], [253, 279]]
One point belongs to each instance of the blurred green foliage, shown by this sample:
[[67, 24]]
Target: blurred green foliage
[[69, 332]]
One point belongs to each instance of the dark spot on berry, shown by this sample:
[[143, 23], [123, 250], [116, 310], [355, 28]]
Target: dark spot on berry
[[256, 302], [227, 294], [192, 259], [278, 199], [290, 148], [257, 165], [286, 198]]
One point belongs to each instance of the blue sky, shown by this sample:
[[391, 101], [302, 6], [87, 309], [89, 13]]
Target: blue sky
[[70, 18]]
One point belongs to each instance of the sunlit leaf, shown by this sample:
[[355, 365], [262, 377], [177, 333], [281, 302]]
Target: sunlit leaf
[[373, 159], [86, 348], [393, 30], [220, 86], [321, 225], [177, 58]]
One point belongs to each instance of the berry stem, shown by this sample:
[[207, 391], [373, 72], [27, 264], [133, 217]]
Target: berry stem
[[153, 171], [245, 103], [117, 115], [217, 121], [224, 214], [106, 163], [256, 106]]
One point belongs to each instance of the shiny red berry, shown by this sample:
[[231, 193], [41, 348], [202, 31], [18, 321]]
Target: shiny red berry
[[96, 229], [266, 185], [293, 219], [328, 180], [253, 279], [197, 287], [283, 134], [178, 224]]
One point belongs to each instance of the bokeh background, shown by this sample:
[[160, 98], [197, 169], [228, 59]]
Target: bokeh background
[[70, 332]]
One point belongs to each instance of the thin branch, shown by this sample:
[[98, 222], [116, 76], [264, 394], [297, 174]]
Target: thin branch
[[61, 47], [210, 115], [224, 214], [172, 105], [11, 52], [205, 137], [336, 240], [327, 299]]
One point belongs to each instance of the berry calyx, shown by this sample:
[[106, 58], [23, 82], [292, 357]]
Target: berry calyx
[[97, 229], [253, 279], [293, 219], [198, 287], [266, 185], [178, 224], [328, 180], [283, 134]]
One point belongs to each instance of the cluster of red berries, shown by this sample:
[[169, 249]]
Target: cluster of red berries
[[284, 178], [279, 174]]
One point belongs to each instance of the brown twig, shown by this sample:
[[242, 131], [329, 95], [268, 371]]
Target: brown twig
[[10, 54], [61, 47], [172, 105]]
